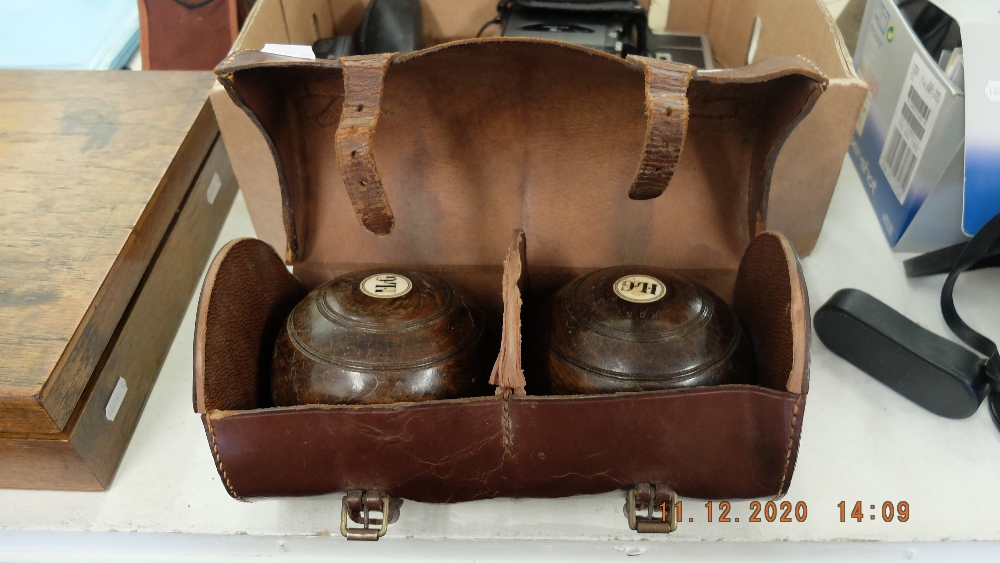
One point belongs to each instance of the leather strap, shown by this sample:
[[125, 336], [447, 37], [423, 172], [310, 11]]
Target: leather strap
[[942, 260], [975, 250], [363, 81], [666, 124]]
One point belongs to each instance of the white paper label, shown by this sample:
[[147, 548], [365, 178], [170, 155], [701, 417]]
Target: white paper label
[[993, 90], [286, 50], [912, 122], [386, 286], [639, 289], [213, 188], [115, 402]]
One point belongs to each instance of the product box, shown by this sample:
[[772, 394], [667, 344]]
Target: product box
[[805, 172], [114, 187], [927, 151], [458, 160]]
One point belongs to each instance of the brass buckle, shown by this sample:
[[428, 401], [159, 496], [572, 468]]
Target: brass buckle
[[645, 497], [366, 532]]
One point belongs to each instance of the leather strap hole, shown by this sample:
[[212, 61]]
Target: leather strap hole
[[361, 107], [354, 154]]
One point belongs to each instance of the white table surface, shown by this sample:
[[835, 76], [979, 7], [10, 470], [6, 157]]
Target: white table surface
[[860, 442]]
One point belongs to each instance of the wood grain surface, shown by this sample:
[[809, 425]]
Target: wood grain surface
[[89, 184], [638, 328], [86, 454], [344, 344]]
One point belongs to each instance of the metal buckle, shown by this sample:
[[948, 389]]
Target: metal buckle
[[366, 532], [645, 497]]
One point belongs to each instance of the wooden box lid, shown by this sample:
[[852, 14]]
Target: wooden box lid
[[88, 190]]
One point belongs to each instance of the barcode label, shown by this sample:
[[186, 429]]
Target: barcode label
[[918, 103], [913, 122], [917, 107], [900, 160]]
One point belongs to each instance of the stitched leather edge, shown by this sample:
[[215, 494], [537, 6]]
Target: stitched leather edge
[[791, 444], [210, 430], [505, 424], [798, 378]]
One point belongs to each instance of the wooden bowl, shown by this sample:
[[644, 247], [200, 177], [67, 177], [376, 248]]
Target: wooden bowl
[[638, 328], [381, 336]]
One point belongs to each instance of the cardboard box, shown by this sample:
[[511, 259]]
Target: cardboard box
[[806, 170], [114, 188], [926, 150]]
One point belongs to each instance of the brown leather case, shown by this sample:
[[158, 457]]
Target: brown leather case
[[188, 34], [572, 151]]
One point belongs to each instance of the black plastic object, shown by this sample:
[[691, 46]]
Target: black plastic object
[[616, 33], [934, 372], [621, 6], [334, 47], [390, 26]]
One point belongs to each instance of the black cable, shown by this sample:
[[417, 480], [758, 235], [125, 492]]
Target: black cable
[[974, 251], [503, 6], [941, 261], [493, 21]]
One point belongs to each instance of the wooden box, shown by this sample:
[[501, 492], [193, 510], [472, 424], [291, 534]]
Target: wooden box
[[113, 189]]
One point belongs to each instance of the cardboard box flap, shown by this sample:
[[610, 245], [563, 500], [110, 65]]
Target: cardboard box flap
[[476, 138]]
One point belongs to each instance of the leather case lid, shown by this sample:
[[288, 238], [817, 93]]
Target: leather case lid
[[475, 138]]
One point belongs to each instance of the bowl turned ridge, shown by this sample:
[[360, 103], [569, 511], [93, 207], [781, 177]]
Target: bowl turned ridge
[[381, 336], [639, 328]]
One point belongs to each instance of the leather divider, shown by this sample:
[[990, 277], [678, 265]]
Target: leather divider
[[363, 80], [508, 373], [666, 123]]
